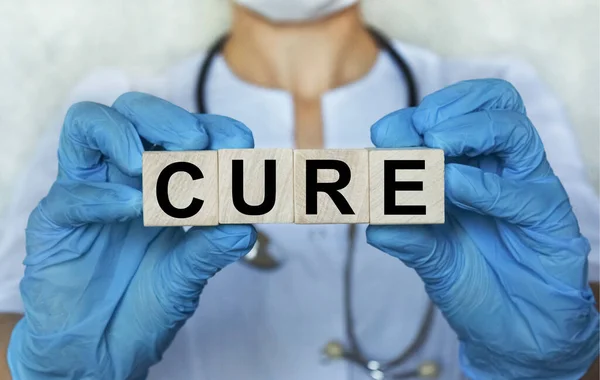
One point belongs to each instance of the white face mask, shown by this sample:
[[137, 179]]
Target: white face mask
[[295, 10]]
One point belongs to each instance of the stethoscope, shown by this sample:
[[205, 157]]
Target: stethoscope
[[261, 259]]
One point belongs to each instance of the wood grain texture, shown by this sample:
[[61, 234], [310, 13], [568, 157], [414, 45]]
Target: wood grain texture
[[432, 178], [182, 188], [254, 191], [286, 197], [356, 192]]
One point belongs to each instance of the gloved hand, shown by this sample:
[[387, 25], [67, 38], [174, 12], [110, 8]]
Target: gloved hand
[[508, 269], [104, 296]]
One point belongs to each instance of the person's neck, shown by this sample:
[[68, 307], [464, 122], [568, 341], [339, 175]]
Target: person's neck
[[305, 59]]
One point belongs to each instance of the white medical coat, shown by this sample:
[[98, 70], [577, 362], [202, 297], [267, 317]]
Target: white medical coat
[[273, 325]]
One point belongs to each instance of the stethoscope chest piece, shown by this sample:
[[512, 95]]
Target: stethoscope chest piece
[[259, 257]]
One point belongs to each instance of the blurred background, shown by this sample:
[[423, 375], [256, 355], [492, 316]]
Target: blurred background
[[48, 46]]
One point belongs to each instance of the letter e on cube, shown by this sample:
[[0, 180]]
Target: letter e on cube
[[406, 186]]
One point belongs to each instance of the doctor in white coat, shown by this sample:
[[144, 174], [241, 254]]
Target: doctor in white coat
[[304, 74]]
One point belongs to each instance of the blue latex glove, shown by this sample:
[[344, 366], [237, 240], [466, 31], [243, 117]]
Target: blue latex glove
[[104, 296], [508, 269]]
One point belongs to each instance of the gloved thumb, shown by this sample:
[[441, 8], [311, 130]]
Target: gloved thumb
[[202, 253], [418, 246]]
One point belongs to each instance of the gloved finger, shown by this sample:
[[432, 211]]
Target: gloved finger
[[396, 130], [162, 123], [508, 135], [73, 203], [466, 97], [542, 203], [92, 134], [226, 133], [202, 253], [417, 246]]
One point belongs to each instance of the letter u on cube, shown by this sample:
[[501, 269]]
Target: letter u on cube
[[305, 186]]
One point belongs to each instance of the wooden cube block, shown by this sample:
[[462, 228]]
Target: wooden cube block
[[256, 186], [331, 186], [407, 186], [180, 188]]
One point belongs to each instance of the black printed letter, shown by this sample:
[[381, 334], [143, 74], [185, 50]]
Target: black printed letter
[[237, 189], [390, 186], [332, 189], [162, 190]]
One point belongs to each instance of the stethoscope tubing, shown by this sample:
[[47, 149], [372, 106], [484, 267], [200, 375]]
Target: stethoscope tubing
[[382, 41], [353, 352]]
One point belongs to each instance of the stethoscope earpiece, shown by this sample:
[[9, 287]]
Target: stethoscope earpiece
[[429, 369], [335, 350]]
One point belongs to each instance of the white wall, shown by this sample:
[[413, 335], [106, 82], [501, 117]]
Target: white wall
[[47, 46]]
